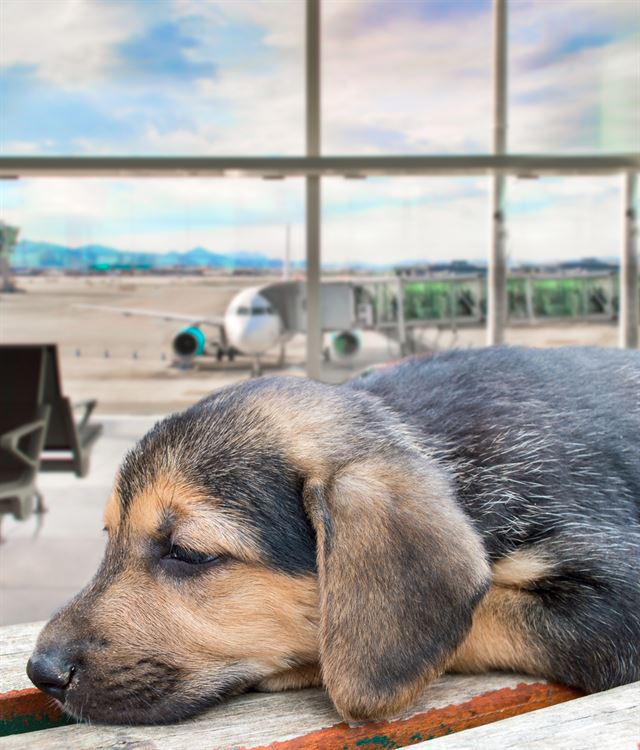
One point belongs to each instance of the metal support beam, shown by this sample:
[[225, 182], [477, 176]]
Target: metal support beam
[[313, 198], [497, 272], [629, 296], [314, 323], [367, 165], [402, 324]]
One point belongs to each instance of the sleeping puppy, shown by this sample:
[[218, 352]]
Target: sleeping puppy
[[471, 511]]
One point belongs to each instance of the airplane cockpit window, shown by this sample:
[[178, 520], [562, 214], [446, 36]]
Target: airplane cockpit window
[[255, 310], [262, 310]]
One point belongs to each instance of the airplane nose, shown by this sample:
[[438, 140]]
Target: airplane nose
[[51, 672]]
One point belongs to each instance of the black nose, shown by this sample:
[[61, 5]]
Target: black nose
[[51, 672]]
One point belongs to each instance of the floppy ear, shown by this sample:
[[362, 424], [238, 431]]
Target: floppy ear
[[400, 572]]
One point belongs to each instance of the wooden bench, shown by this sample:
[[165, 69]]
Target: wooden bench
[[606, 721], [283, 721], [306, 720]]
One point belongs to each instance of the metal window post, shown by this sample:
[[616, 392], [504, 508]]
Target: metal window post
[[313, 194], [402, 324], [629, 296], [497, 276]]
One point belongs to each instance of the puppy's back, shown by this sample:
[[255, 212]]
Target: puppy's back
[[534, 437]]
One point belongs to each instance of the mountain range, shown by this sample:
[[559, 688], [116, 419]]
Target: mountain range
[[30, 255], [43, 255]]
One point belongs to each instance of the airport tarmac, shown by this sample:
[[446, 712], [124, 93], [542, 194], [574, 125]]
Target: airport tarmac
[[126, 362]]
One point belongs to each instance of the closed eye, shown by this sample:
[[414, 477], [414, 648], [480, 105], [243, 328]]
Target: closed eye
[[190, 556]]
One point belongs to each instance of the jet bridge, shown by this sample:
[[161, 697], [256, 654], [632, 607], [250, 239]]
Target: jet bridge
[[338, 307]]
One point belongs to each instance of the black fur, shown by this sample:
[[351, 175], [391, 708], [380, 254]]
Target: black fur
[[544, 450], [537, 440], [205, 445]]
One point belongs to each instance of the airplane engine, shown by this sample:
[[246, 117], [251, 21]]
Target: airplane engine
[[189, 343], [344, 345]]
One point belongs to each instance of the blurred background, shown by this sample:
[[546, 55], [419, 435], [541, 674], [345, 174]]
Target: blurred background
[[195, 192]]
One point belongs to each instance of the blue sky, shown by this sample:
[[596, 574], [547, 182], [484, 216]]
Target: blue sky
[[399, 76]]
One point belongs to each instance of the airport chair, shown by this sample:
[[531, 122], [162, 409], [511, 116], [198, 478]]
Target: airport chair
[[68, 442], [33, 369], [22, 432], [22, 374]]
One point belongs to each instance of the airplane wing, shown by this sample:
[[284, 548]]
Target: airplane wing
[[195, 319]]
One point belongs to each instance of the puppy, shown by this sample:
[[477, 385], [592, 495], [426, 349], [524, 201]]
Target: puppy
[[470, 511]]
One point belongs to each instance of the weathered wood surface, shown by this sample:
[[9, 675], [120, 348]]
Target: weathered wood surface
[[306, 720], [606, 721], [16, 644], [299, 720]]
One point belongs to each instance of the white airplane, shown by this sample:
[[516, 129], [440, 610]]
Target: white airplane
[[258, 319]]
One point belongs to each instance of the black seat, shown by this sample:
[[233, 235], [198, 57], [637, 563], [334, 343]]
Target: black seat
[[68, 443], [22, 431], [23, 424]]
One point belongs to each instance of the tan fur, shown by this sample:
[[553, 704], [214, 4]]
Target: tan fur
[[239, 611], [293, 679], [520, 569], [199, 525], [498, 638], [366, 604], [378, 509], [111, 516]]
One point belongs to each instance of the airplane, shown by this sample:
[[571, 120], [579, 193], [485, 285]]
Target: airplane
[[256, 320]]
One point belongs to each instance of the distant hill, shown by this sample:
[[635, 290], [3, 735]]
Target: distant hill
[[47, 255], [29, 255]]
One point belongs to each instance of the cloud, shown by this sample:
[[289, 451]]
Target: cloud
[[406, 85], [34, 112], [162, 51], [69, 43], [398, 77], [166, 77], [574, 76]]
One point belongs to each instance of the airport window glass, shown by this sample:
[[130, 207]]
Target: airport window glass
[[406, 77], [381, 223], [574, 76], [564, 219], [142, 78], [563, 249], [427, 235], [225, 224], [175, 246]]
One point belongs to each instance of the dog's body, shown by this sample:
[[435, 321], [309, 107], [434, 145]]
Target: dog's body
[[469, 511], [544, 450]]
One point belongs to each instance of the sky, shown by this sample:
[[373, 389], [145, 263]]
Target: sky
[[222, 77]]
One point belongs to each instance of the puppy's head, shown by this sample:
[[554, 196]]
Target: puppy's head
[[275, 526]]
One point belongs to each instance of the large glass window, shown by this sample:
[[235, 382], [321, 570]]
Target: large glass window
[[574, 76], [138, 78], [158, 218], [384, 223], [175, 253], [406, 77]]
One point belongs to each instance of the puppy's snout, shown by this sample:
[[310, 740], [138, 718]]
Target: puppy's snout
[[51, 671]]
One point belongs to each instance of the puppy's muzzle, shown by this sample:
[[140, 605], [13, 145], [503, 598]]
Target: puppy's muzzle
[[52, 671]]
